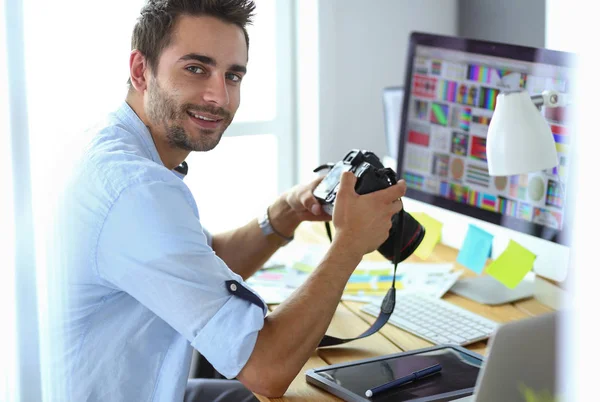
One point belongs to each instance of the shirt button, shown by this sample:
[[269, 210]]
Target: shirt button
[[233, 287]]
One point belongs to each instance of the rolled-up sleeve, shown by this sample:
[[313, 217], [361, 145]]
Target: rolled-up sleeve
[[153, 247]]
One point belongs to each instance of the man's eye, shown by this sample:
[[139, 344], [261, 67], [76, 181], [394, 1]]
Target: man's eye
[[195, 69], [233, 77]]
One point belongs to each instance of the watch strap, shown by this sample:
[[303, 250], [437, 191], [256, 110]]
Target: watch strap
[[264, 222]]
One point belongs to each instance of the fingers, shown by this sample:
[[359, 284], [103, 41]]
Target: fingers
[[310, 203], [392, 193], [397, 205], [347, 183], [313, 184], [301, 198]]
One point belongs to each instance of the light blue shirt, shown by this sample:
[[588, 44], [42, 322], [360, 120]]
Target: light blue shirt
[[144, 284]]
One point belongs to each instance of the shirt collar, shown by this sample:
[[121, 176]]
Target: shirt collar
[[128, 116]]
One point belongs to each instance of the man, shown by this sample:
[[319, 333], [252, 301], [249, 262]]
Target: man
[[146, 283]]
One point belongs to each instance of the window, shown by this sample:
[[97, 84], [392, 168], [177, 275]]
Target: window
[[255, 160], [8, 364], [77, 71]]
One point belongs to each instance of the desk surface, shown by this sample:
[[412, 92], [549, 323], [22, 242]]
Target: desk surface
[[349, 321]]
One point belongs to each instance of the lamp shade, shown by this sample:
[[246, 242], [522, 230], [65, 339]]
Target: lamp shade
[[519, 139]]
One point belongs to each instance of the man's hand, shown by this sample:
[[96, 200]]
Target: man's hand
[[295, 206], [362, 224], [363, 221], [302, 201]]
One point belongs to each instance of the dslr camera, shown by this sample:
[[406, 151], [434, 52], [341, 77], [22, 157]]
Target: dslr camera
[[406, 233]]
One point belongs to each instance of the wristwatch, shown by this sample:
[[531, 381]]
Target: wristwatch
[[264, 222]]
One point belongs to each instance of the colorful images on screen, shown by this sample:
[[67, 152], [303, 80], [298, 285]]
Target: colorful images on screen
[[487, 98], [478, 151], [483, 200], [439, 114], [554, 194], [421, 108], [447, 90], [485, 120], [460, 143], [418, 138], [414, 180], [525, 211], [436, 67], [546, 217], [467, 95], [424, 86], [461, 118], [477, 175], [459, 193], [452, 101], [441, 163], [507, 206]]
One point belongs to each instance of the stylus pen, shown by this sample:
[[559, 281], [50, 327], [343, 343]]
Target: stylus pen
[[414, 376]]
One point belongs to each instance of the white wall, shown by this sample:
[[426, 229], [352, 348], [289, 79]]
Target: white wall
[[508, 21], [361, 49]]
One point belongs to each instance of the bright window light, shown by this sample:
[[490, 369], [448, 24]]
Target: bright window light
[[8, 347], [77, 72], [258, 87], [235, 165]]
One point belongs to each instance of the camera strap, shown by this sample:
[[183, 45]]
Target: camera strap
[[387, 305]]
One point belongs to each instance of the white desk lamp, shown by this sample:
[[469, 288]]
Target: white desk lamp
[[519, 141]]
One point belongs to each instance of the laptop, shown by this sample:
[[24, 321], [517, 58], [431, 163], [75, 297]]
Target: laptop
[[521, 365]]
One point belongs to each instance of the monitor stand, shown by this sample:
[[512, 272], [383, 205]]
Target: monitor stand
[[487, 290]]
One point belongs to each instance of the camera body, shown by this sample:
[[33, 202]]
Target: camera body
[[368, 169], [406, 233]]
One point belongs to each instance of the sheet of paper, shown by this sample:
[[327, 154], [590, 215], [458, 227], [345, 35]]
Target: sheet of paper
[[365, 267], [294, 252], [432, 284], [370, 281], [431, 267], [433, 234], [512, 265], [362, 297], [476, 249]]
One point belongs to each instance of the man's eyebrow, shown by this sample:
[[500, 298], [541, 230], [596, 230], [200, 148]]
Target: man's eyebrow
[[211, 62]]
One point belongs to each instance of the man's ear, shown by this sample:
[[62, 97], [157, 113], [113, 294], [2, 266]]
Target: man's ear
[[137, 70]]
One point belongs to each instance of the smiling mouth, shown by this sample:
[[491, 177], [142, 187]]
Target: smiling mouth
[[205, 121]]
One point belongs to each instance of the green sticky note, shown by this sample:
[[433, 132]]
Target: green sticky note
[[512, 265], [433, 234]]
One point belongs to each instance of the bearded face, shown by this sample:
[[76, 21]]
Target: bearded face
[[187, 126]]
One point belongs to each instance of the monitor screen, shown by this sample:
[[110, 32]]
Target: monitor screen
[[451, 88]]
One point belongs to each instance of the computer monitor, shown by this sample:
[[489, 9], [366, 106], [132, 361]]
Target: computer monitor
[[450, 95]]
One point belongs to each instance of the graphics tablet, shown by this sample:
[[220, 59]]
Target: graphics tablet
[[350, 381]]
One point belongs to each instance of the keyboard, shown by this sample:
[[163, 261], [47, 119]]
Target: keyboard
[[436, 320]]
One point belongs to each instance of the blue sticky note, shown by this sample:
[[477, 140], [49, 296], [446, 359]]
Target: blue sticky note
[[476, 249]]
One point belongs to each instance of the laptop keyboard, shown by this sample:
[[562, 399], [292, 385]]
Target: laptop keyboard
[[436, 320]]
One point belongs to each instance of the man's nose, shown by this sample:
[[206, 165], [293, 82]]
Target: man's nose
[[216, 91]]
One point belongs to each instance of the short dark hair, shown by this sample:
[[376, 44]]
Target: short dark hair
[[154, 27]]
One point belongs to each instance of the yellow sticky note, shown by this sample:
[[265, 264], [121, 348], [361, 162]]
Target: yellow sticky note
[[433, 234], [512, 265]]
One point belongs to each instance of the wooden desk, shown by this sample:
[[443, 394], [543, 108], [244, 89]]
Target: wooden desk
[[349, 321]]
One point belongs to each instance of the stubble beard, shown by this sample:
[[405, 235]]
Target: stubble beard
[[164, 110]]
